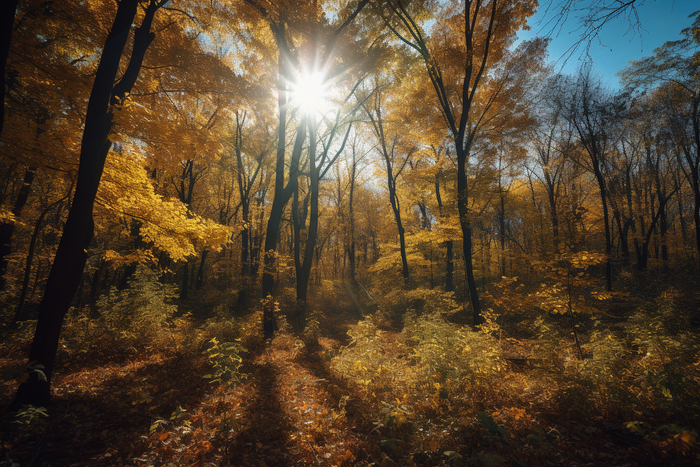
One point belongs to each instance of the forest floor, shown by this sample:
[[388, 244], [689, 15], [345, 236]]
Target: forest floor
[[155, 407]]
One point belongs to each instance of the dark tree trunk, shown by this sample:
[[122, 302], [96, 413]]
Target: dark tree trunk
[[378, 124], [7, 229], [622, 229], [71, 255], [449, 253], [393, 198], [30, 258], [185, 284], [351, 214], [465, 224], [606, 221], [304, 273], [199, 282], [282, 196], [8, 10], [502, 231], [553, 214], [299, 217], [643, 255]]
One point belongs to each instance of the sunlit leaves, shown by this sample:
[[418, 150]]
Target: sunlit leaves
[[167, 224]]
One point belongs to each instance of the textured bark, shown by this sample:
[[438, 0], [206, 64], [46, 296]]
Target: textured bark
[[304, 272]]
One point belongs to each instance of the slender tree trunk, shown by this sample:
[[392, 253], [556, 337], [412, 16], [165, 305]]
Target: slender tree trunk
[[644, 256], [554, 217], [30, 258], [282, 196], [304, 274], [465, 224], [606, 221], [199, 282], [7, 229], [399, 225], [351, 214], [502, 231], [71, 255], [449, 253], [185, 284]]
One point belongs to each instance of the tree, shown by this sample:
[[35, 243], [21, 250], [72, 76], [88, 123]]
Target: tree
[[550, 141], [488, 28], [70, 258], [395, 164], [7, 13], [594, 114], [247, 171], [291, 72], [677, 63]]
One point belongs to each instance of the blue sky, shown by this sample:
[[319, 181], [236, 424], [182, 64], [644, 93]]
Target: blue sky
[[661, 21]]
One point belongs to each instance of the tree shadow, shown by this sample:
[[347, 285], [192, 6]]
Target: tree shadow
[[97, 420], [266, 432], [344, 393]]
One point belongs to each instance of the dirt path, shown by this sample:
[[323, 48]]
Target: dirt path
[[300, 414]]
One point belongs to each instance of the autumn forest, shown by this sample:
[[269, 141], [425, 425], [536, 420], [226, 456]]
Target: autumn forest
[[344, 233]]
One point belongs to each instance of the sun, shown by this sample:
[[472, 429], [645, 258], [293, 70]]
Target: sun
[[310, 92]]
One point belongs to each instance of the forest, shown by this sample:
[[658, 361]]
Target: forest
[[343, 233]]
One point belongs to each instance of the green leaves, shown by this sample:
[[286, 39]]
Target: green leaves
[[226, 362]]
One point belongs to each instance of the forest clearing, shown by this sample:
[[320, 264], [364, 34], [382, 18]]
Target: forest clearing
[[345, 233]]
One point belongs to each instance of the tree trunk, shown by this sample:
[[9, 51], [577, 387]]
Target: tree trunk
[[8, 10], [502, 231], [305, 273], [71, 255], [449, 253], [399, 225], [282, 196], [351, 214], [30, 258], [185, 284], [7, 229], [199, 281], [465, 224], [606, 221]]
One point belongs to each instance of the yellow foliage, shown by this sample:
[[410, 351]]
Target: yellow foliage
[[126, 191]]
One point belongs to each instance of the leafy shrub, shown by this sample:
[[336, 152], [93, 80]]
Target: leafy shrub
[[396, 303], [666, 369], [225, 327], [370, 359], [141, 310], [450, 352], [429, 360], [226, 362]]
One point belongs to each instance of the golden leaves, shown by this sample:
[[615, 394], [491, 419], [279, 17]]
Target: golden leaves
[[126, 191]]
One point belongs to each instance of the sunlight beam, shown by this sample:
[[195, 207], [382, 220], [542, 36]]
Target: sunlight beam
[[309, 93]]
